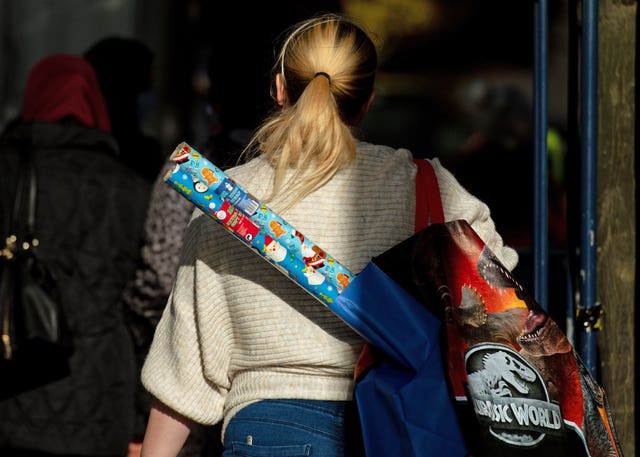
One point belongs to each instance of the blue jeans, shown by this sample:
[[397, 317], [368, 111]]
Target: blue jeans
[[289, 428]]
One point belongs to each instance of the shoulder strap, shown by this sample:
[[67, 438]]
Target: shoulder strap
[[31, 197], [22, 219], [428, 201]]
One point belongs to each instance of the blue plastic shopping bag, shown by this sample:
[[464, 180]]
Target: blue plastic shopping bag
[[405, 406]]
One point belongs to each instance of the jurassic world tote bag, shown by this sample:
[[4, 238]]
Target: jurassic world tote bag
[[519, 387]]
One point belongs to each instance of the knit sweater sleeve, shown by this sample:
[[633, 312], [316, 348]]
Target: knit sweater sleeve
[[173, 370], [458, 203]]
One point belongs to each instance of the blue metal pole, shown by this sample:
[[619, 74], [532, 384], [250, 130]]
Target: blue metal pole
[[589, 125], [540, 172]]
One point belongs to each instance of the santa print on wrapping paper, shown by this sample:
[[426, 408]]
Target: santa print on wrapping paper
[[314, 277], [314, 256], [273, 250]]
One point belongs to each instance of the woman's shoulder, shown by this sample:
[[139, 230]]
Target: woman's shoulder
[[378, 156], [381, 150]]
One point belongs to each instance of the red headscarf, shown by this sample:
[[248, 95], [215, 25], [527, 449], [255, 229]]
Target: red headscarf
[[64, 85]]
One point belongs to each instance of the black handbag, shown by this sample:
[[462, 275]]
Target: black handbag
[[36, 342]]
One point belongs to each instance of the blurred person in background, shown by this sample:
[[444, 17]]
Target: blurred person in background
[[124, 67], [90, 211], [145, 297]]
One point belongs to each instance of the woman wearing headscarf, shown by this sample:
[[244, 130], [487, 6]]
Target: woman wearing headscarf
[[90, 210]]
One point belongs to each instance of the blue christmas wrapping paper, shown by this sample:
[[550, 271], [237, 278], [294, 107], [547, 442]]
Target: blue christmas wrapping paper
[[253, 223]]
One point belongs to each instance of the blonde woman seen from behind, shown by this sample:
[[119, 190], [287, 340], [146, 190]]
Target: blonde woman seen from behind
[[238, 342]]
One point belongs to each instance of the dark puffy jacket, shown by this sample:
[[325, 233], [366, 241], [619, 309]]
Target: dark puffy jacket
[[90, 214]]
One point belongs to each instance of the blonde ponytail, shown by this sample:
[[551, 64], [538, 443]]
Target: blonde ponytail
[[327, 66]]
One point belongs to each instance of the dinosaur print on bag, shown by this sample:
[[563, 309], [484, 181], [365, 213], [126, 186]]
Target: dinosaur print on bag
[[520, 386]]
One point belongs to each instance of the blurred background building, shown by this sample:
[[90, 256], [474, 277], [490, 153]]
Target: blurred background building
[[434, 53]]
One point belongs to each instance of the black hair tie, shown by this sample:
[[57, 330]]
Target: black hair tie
[[322, 73]]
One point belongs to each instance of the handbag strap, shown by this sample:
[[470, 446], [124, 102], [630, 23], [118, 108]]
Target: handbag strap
[[21, 230], [31, 196], [428, 201]]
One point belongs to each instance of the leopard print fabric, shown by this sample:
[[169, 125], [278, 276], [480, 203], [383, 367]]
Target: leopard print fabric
[[145, 296]]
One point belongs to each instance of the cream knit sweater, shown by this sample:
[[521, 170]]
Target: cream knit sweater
[[235, 330]]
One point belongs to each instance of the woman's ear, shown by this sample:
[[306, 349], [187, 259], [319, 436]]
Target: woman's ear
[[281, 95], [372, 97], [365, 107]]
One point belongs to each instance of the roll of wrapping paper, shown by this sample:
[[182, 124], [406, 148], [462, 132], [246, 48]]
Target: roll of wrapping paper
[[258, 227]]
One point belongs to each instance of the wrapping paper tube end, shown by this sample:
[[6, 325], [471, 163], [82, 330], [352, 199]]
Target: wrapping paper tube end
[[168, 174]]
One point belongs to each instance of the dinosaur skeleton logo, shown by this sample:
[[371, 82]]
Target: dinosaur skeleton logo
[[509, 396]]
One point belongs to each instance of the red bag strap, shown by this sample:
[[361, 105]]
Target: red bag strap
[[428, 210], [428, 202]]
